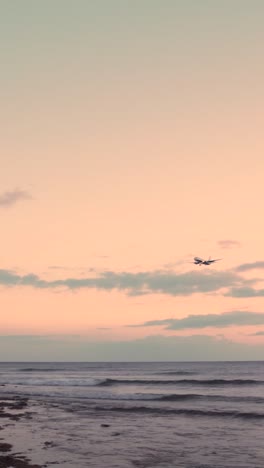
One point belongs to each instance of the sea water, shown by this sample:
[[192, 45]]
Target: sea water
[[155, 414]]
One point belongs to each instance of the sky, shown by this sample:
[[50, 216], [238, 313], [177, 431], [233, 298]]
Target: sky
[[131, 141]]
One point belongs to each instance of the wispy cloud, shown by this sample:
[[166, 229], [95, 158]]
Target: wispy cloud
[[75, 269], [244, 291], [10, 198], [226, 319], [258, 333], [136, 284], [228, 243], [251, 266]]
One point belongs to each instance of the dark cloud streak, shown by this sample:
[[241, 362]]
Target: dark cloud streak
[[223, 320], [251, 266], [244, 292], [135, 284]]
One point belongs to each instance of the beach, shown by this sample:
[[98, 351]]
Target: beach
[[11, 411], [125, 415]]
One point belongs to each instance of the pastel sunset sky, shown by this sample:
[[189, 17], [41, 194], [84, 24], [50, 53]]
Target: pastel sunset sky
[[131, 141]]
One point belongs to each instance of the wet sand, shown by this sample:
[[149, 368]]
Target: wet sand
[[13, 409], [31, 435]]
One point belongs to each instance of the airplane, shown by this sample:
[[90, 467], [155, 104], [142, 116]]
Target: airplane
[[199, 261]]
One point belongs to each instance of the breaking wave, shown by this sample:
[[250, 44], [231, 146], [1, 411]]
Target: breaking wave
[[39, 369], [206, 382], [108, 382], [180, 372], [182, 411]]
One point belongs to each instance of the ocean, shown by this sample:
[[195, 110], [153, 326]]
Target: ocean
[[125, 415]]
